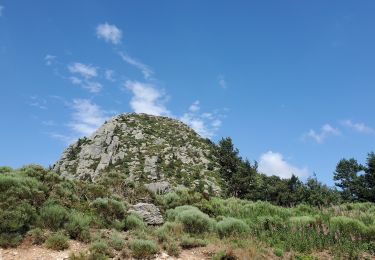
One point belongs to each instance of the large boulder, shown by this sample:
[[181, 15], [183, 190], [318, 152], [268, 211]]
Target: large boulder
[[149, 212]]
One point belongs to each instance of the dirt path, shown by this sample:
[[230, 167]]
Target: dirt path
[[34, 252]]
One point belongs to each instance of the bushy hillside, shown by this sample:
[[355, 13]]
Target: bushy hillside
[[49, 209]]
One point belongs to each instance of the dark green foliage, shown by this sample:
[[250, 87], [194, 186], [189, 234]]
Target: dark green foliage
[[143, 249], [356, 186], [53, 216], [57, 241], [109, 209]]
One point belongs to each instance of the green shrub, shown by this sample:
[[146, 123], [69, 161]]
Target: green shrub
[[191, 242], [78, 226], [142, 249], [109, 209], [10, 239], [38, 236], [133, 221], [278, 252], [57, 241], [232, 227], [169, 229], [193, 220], [53, 216], [99, 250], [172, 213], [346, 226], [169, 200], [116, 242], [172, 247]]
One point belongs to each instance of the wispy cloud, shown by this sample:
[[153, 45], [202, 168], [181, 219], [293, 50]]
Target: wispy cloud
[[222, 82], [50, 59], [326, 131], [271, 163], [145, 69], [38, 102], [1, 10], [86, 71], [86, 117], [108, 32], [108, 74], [205, 124], [147, 98], [359, 127]]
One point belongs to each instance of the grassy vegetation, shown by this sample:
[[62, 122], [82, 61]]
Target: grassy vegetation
[[38, 203]]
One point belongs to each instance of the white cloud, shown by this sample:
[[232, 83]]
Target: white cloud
[[194, 107], [108, 32], [86, 117], [222, 82], [359, 127], [50, 59], [205, 124], [325, 131], [146, 70], [1, 10], [108, 74], [86, 71], [271, 163], [146, 98]]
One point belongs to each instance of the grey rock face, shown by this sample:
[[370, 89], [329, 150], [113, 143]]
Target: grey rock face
[[149, 212], [159, 187], [146, 148]]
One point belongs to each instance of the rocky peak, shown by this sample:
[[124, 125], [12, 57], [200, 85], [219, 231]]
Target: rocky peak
[[147, 148]]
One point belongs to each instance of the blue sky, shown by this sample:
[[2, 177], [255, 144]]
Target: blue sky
[[292, 82]]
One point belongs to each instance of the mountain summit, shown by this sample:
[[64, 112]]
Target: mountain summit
[[148, 149]]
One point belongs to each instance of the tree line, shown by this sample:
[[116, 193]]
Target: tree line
[[242, 179]]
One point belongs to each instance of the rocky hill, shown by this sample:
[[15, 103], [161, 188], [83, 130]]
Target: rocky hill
[[158, 151]]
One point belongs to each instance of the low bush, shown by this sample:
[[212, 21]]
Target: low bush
[[232, 227], [37, 236], [53, 216], [109, 209], [172, 247], [10, 239], [57, 241], [191, 242], [193, 220], [142, 249], [133, 221], [99, 250], [116, 242], [78, 226]]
